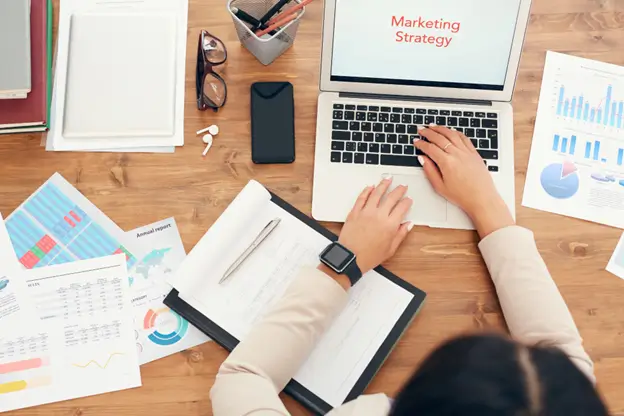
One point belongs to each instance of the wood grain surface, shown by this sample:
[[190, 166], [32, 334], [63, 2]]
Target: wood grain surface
[[136, 189]]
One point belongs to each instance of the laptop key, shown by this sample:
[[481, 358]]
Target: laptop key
[[365, 126], [475, 142], [490, 124], [362, 108], [380, 138], [400, 128], [409, 110], [460, 129], [492, 115], [456, 113], [377, 127], [441, 121], [389, 128], [337, 115], [349, 115], [452, 121], [397, 149], [350, 147], [395, 118], [481, 134], [421, 111], [484, 144], [362, 147], [347, 157], [391, 138], [386, 148], [335, 157], [349, 107], [371, 117], [480, 115], [340, 125], [340, 135], [403, 139], [393, 160], [337, 145], [470, 132], [468, 114], [373, 108], [406, 119], [356, 136], [369, 137], [493, 140], [359, 158], [429, 120], [488, 154], [418, 119], [464, 122], [475, 122], [372, 159], [493, 168], [354, 125], [386, 109], [445, 112], [360, 116], [397, 110], [412, 129], [384, 117], [408, 150], [338, 106], [433, 112], [373, 147]]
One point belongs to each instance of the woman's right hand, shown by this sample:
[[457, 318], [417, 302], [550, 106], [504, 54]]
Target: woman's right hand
[[460, 176]]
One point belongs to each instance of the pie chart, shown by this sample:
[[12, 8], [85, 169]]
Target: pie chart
[[560, 180]]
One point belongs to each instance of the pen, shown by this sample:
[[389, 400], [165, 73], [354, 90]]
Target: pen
[[276, 8], [290, 11], [266, 231], [277, 24], [246, 17]]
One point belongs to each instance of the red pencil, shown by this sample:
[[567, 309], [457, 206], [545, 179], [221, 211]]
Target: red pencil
[[289, 11], [277, 24]]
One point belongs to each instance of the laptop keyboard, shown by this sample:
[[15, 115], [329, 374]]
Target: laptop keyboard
[[377, 135]]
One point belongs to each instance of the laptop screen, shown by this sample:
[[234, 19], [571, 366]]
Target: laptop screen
[[436, 43]]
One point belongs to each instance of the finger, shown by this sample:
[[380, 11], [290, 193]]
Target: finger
[[393, 198], [379, 191], [360, 202], [404, 230], [438, 155], [451, 135], [401, 209], [434, 175], [434, 137]]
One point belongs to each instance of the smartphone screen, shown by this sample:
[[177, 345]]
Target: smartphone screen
[[272, 122]]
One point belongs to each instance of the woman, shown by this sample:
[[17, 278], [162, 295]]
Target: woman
[[545, 371]]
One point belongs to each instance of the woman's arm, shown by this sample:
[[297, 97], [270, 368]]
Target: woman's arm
[[534, 309], [251, 378]]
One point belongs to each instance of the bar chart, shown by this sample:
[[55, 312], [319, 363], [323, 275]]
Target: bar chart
[[608, 111], [595, 150]]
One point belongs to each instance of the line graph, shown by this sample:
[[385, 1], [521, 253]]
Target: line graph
[[97, 364]]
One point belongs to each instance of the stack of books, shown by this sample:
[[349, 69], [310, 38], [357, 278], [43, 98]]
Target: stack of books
[[25, 65]]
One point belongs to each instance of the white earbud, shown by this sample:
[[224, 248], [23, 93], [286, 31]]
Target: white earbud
[[214, 130], [207, 138]]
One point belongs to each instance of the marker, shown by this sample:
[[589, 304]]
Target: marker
[[246, 17], [273, 10]]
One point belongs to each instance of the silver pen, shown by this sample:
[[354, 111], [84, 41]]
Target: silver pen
[[268, 229]]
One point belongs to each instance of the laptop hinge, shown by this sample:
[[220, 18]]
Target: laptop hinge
[[461, 101]]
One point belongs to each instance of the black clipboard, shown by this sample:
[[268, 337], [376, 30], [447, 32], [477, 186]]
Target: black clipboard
[[295, 389]]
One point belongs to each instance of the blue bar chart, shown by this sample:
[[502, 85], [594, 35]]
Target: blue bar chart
[[564, 144], [608, 111], [594, 150]]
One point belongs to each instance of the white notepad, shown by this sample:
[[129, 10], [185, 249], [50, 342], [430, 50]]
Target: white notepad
[[121, 76]]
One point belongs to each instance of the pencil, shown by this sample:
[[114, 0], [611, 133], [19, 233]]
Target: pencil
[[289, 11], [277, 24]]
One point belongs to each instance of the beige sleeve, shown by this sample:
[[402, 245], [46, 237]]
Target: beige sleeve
[[251, 378], [534, 309]]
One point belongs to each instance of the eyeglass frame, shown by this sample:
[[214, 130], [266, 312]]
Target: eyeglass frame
[[206, 68]]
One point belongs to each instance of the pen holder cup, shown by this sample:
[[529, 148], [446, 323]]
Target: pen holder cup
[[268, 47]]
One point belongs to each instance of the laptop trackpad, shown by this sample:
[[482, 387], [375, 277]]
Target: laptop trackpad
[[428, 207]]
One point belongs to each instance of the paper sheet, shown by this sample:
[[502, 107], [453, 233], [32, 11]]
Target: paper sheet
[[178, 9], [577, 156], [57, 225], [159, 331], [84, 344], [345, 350], [616, 263]]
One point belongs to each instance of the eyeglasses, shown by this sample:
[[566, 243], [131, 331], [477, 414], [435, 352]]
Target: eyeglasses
[[210, 87]]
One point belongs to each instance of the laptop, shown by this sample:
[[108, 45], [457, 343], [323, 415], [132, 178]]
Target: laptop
[[388, 68]]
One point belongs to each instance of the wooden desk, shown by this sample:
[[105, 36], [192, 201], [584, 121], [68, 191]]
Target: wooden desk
[[136, 189]]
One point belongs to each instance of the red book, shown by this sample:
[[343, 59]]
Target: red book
[[32, 111]]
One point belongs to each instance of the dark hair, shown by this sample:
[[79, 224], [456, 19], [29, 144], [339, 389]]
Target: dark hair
[[488, 375]]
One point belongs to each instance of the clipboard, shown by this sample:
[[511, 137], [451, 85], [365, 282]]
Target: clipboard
[[294, 388]]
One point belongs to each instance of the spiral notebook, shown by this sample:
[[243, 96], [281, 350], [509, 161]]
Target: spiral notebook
[[380, 308]]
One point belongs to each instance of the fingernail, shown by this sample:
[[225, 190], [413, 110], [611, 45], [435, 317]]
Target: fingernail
[[410, 225], [432, 125], [421, 160], [416, 139], [453, 128], [387, 177]]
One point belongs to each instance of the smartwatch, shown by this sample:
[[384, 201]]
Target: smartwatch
[[341, 260]]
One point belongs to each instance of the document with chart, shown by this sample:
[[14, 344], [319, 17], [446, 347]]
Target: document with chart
[[577, 156], [83, 341]]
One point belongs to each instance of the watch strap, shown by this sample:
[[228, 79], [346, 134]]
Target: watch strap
[[353, 272]]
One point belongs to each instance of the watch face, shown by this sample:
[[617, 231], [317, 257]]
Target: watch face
[[337, 257]]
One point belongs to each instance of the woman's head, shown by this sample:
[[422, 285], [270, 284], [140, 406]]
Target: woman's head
[[489, 375]]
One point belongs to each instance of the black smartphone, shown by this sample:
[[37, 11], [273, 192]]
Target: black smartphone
[[272, 122]]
